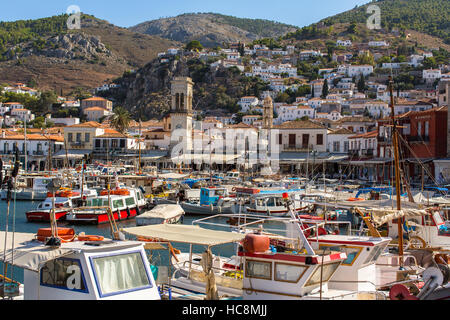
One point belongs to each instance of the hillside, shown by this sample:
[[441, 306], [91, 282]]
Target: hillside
[[45, 52], [431, 17], [146, 93], [212, 29]]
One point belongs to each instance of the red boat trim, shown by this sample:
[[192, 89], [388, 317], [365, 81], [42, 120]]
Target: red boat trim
[[296, 258]]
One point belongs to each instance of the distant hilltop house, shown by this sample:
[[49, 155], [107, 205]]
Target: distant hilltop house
[[378, 44], [22, 89], [344, 43], [97, 102]]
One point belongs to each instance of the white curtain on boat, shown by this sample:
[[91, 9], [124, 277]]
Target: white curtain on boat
[[120, 273]]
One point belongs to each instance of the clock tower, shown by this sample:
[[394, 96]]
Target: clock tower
[[181, 115]]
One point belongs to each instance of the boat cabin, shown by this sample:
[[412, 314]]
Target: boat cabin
[[287, 275], [81, 270], [211, 196]]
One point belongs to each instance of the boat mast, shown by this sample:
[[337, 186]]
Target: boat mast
[[139, 142], [397, 170]]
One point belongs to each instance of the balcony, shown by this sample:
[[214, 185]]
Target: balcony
[[38, 153], [297, 148], [353, 153], [77, 145], [367, 152]]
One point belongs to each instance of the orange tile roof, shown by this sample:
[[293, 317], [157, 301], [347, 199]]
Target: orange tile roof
[[90, 124]]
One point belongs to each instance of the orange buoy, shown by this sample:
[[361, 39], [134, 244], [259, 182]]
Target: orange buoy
[[65, 234], [355, 199], [90, 238], [254, 243]]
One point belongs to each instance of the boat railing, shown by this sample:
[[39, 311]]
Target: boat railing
[[261, 220]]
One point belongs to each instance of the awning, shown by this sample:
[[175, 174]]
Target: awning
[[382, 216], [185, 234], [173, 176], [28, 254], [206, 158], [71, 154]]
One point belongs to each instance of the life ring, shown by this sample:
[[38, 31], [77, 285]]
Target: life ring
[[322, 231], [90, 238], [307, 233], [416, 242], [355, 199], [234, 189]]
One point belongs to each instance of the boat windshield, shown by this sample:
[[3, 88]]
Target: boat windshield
[[120, 273], [220, 192]]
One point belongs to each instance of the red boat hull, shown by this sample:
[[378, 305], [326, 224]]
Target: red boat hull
[[100, 218], [42, 216]]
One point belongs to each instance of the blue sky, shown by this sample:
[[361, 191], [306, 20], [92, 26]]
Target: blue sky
[[131, 12]]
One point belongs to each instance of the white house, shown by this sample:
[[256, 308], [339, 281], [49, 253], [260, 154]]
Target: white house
[[246, 103], [358, 70], [22, 114], [344, 43], [431, 75], [378, 44], [250, 119], [337, 140]]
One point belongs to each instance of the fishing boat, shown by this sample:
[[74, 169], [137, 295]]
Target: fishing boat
[[266, 202], [63, 200], [43, 210], [212, 201], [80, 268], [98, 210], [29, 188]]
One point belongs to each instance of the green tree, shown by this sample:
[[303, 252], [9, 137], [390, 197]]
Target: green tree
[[362, 84], [121, 119], [194, 45], [325, 89], [46, 101]]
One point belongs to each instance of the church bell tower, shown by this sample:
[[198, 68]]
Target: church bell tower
[[181, 113]]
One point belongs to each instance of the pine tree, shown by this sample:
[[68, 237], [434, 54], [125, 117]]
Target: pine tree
[[362, 84], [325, 89]]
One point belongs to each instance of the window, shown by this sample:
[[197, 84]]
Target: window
[[289, 273], [87, 137], [98, 143], [345, 146], [122, 143], [120, 273], [427, 129], [65, 274], [352, 253], [78, 137], [327, 273], [70, 137], [375, 254], [258, 269], [320, 139], [117, 203], [130, 201], [336, 146]]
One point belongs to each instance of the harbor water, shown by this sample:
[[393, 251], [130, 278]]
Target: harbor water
[[17, 222]]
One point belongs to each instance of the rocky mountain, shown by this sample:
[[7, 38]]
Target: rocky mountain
[[212, 29], [45, 52], [146, 93]]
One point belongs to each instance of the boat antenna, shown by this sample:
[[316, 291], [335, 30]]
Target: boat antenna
[[397, 170]]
